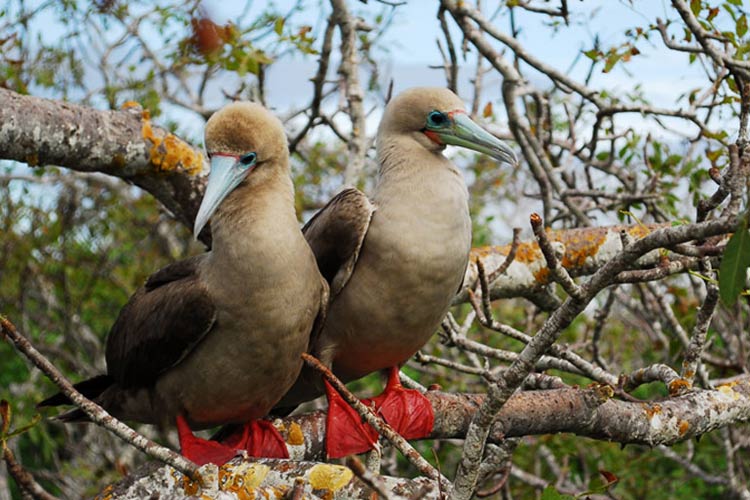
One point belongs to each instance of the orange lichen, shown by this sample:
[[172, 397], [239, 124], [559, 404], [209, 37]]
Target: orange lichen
[[106, 493], [482, 252], [130, 104], [652, 410], [683, 427], [579, 245], [190, 487], [169, 152], [680, 386], [542, 275], [525, 252], [242, 479], [296, 436]]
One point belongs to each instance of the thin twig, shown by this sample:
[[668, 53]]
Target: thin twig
[[23, 478], [703, 320], [559, 274], [96, 413], [373, 481]]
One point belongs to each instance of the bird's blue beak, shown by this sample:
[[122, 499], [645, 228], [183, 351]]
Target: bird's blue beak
[[227, 172], [466, 133]]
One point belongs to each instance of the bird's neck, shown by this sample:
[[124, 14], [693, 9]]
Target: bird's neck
[[254, 220], [411, 173]]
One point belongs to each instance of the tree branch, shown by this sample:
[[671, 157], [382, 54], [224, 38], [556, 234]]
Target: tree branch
[[123, 144]]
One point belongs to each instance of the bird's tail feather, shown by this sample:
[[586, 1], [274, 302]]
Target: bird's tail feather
[[90, 388]]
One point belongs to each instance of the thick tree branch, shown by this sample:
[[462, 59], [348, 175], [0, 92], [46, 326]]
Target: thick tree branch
[[587, 412], [124, 144]]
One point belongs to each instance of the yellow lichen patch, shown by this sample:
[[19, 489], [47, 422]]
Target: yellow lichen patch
[[330, 477], [639, 231], [683, 427], [679, 386], [604, 391], [296, 436], [169, 152], [242, 479], [727, 390], [652, 410]]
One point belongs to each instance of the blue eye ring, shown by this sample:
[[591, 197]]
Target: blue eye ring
[[248, 159], [437, 119]]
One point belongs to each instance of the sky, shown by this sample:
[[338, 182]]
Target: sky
[[411, 49], [413, 34]]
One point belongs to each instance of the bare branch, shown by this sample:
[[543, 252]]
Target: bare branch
[[96, 413]]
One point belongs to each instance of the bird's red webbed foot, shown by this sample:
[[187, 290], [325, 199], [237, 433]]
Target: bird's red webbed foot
[[260, 439], [199, 450], [346, 433], [408, 411]]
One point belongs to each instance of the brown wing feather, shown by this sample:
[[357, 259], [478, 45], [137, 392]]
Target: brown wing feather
[[336, 233], [160, 324]]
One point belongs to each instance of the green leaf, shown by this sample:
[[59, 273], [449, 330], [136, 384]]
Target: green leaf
[[742, 25], [278, 26], [610, 62], [592, 54], [25, 428], [695, 6], [734, 264], [550, 493]]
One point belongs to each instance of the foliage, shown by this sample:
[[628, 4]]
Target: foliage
[[74, 246]]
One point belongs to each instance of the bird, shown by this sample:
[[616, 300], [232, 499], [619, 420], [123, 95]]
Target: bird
[[394, 262], [217, 338]]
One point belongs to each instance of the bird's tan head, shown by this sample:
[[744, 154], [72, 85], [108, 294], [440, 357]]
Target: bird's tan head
[[435, 117], [247, 148], [243, 127]]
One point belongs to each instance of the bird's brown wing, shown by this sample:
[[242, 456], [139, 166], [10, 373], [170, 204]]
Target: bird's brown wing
[[336, 234], [161, 323]]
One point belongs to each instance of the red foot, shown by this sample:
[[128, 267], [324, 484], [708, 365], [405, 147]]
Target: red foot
[[201, 451], [406, 410], [346, 434], [260, 439]]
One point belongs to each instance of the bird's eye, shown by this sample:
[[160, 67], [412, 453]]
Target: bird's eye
[[248, 159], [436, 119]]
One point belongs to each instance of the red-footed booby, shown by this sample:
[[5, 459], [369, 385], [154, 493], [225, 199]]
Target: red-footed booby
[[394, 263], [217, 338]]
